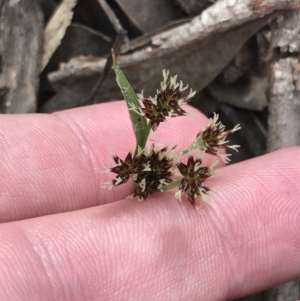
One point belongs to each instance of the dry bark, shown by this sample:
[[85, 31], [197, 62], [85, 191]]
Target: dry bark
[[21, 31], [56, 29], [284, 112], [284, 106], [198, 50]]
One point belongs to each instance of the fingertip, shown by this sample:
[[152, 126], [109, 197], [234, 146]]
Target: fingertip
[[59, 158]]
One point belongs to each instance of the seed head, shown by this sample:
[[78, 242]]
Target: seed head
[[194, 176], [150, 169], [167, 102], [124, 169], [213, 137], [155, 170]]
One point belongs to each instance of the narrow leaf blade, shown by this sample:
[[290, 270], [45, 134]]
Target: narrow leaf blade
[[139, 123]]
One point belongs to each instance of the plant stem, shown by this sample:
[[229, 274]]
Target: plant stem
[[143, 144], [171, 185]]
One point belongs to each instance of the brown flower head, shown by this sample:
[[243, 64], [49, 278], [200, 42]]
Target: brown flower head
[[150, 170], [155, 170], [167, 102], [124, 169], [193, 178], [213, 137]]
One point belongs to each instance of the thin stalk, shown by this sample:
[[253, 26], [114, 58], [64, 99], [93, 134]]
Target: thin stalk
[[172, 185]]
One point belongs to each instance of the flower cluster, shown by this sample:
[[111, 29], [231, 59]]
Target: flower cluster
[[150, 170], [167, 102], [193, 177], [153, 169], [213, 138]]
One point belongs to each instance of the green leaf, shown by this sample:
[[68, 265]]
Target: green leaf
[[139, 123]]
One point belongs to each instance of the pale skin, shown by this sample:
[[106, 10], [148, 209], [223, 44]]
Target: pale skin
[[65, 237]]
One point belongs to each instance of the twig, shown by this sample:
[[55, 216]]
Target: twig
[[111, 16], [284, 106], [117, 45], [284, 112], [225, 27]]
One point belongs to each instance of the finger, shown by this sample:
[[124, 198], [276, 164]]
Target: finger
[[245, 240], [55, 163]]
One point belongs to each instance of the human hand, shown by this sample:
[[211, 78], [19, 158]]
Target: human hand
[[65, 237]]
